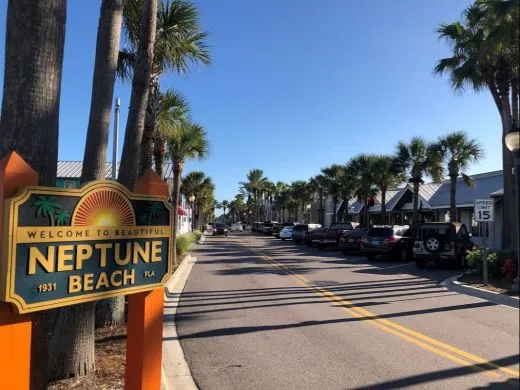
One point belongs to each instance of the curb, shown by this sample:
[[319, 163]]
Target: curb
[[176, 373], [452, 284]]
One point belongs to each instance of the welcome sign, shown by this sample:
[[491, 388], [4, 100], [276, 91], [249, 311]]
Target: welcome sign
[[63, 246]]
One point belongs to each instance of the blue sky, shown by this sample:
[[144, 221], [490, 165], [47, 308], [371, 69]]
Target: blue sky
[[297, 85]]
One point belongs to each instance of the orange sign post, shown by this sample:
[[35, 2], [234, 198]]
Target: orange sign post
[[145, 317], [15, 329]]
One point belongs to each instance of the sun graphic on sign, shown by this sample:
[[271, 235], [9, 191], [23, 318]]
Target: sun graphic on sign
[[104, 207]]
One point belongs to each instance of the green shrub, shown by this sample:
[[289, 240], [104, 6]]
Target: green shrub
[[183, 243], [496, 259], [197, 235]]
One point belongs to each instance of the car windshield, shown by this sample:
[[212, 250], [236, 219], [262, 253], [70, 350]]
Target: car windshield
[[357, 233], [380, 232], [219, 225], [342, 225], [301, 227], [288, 228]]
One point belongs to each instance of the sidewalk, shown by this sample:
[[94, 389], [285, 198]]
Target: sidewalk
[[176, 373], [452, 284]]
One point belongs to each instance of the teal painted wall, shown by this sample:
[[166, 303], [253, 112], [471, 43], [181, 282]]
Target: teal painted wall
[[60, 182]]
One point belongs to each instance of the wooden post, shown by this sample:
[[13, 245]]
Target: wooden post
[[15, 329], [145, 317]]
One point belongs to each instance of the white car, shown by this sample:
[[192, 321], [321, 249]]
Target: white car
[[286, 232], [236, 227]]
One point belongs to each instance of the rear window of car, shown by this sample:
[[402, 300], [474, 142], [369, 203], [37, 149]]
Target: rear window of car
[[380, 232], [342, 226], [357, 233], [301, 227], [442, 232]]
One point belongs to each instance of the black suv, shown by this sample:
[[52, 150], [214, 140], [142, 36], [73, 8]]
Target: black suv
[[442, 242], [392, 241], [220, 229], [257, 227]]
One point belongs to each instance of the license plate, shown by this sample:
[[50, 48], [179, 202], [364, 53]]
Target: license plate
[[375, 243]]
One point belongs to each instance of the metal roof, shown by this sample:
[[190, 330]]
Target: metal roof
[[72, 169], [485, 185]]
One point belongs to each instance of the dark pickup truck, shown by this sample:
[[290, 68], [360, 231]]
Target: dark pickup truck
[[329, 236]]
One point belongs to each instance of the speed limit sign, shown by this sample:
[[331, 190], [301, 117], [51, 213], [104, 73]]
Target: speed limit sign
[[484, 211]]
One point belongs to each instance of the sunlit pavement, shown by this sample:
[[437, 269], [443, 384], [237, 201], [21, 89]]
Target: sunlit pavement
[[260, 313]]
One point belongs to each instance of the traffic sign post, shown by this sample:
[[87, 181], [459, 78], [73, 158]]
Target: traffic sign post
[[483, 214]]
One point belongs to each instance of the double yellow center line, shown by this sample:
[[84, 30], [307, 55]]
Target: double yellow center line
[[425, 342]]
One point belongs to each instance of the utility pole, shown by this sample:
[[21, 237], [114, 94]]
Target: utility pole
[[116, 140]]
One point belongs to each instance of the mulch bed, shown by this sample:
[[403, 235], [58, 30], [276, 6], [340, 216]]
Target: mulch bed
[[494, 284], [110, 363]]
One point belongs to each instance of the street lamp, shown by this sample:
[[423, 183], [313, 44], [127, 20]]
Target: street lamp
[[512, 140], [191, 199]]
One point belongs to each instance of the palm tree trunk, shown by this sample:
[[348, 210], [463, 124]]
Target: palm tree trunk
[[322, 211], [514, 103], [453, 198], [159, 153], [107, 50], [345, 212], [383, 205], [35, 38], [72, 342], [150, 124], [334, 205], [178, 165], [139, 97], [365, 212], [415, 218]]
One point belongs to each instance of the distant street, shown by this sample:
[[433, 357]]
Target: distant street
[[260, 313]]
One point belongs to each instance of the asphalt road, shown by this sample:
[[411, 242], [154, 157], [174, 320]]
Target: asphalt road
[[259, 313]]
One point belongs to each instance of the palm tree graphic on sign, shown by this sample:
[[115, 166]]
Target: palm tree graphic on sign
[[48, 206], [62, 217]]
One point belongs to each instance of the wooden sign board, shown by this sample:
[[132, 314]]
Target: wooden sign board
[[69, 246]]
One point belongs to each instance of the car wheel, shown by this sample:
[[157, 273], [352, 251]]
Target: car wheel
[[309, 245], [283, 239], [403, 254], [419, 263], [321, 247], [371, 256], [344, 250]]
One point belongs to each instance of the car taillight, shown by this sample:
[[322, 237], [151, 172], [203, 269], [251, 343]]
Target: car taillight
[[391, 239]]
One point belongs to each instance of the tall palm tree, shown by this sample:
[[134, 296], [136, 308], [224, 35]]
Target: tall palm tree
[[419, 158], [225, 205], [186, 142], [269, 191], [301, 192], [105, 65], [362, 167], [458, 151], [179, 42], [319, 185], [280, 199], [142, 71], [485, 51], [387, 173], [332, 174], [196, 183], [348, 187], [34, 43], [253, 187]]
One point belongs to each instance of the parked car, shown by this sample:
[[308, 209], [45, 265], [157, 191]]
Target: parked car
[[220, 229], [286, 232], [329, 236], [236, 227], [394, 241], [351, 240], [278, 228], [442, 242], [257, 227], [300, 230], [267, 228]]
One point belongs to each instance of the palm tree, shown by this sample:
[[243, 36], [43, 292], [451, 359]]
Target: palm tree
[[485, 51], [47, 207], [186, 142], [319, 184], [107, 49], [301, 192], [387, 173], [253, 187], [225, 205], [418, 159], [459, 151], [362, 168], [142, 71], [179, 42], [62, 217], [34, 43], [198, 184], [332, 174], [348, 187], [280, 199]]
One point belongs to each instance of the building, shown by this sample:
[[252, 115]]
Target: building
[[69, 176], [434, 205]]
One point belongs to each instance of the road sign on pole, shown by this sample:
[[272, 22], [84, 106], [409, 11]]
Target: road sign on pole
[[484, 213]]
